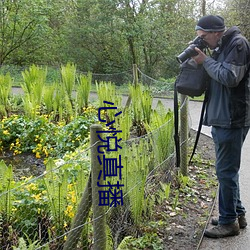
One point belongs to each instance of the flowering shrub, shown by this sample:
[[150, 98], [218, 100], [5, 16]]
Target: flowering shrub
[[43, 137], [44, 206]]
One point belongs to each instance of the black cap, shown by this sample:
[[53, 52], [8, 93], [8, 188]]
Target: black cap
[[210, 23]]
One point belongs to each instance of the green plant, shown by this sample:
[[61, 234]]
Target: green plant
[[107, 93], [48, 98], [83, 91], [6, 196], [135, 171], [28, 244], [42, 136], [5, 90], [30, 208], [141, 109], [165, 190], [34, 81], [68, 74], [184, 181], [56, 187], [161, 129], [176, 199], [147, 241], [124, 123]]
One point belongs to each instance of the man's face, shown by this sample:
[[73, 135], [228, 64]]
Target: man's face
[[211, 38]]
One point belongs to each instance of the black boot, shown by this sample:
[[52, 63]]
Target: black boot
[[221, 231], [241, 219]]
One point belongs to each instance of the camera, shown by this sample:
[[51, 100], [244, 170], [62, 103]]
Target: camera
[[190, 51]]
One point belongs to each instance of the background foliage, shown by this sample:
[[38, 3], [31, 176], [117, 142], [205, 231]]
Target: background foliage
[[106, 36]]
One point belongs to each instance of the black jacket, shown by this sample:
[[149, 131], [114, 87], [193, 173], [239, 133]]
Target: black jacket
[[229, 90]]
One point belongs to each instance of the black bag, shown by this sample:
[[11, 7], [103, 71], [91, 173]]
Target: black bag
[[192, 80]]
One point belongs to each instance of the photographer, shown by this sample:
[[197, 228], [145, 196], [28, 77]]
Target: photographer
[[228, 112]]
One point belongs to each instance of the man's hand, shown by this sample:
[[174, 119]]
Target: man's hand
[[200, 58]]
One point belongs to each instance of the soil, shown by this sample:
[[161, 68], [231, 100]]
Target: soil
[[25, 164], [188, 221]]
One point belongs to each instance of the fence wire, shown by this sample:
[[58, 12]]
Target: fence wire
[[57, 204]]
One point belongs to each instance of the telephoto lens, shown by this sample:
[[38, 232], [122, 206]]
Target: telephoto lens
[[190, 50]]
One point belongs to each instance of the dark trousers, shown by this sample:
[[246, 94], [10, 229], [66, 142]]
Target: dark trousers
[[228, 145]]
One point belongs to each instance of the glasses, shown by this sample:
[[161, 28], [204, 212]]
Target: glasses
[[204, 35]]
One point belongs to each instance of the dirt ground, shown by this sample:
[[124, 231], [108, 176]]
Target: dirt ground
[[187, 223]]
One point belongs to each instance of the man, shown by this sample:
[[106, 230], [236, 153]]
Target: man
[[228, 112]]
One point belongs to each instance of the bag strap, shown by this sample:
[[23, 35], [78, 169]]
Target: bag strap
[[176, 126], [199, 127]]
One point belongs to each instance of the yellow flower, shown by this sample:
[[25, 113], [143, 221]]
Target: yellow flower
[[37, 196], [14, 209], [31, 187], [6, 132], [45, 151], [69, 211], [38, 155], [17, 152], [73, 199]]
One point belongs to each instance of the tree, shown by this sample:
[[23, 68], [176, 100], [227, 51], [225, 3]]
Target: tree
[[20, 22], [237, 13]]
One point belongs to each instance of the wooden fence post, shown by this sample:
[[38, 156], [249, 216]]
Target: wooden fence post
[[184, 135], [80, 218], [91, 191], [135, 82], [135, 74], [99, 220]]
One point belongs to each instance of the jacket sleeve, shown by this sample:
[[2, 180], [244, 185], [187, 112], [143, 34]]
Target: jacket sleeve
[[234, 66]]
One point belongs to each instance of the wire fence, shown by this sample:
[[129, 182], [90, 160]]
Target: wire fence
[[71, 207], [162, 87]]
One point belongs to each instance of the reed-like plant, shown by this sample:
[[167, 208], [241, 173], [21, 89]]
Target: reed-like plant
[[161, 132], [5, 90], [124, 124], [6, 196], [83, 91], [33, 85], [135, 157], [68, 74], [106, 92], [62, 106], [141, 104], [137, 172], [56, 184], [48, 98]]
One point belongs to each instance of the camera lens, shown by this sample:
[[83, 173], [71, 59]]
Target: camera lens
[[187, 53], [190, 51]]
